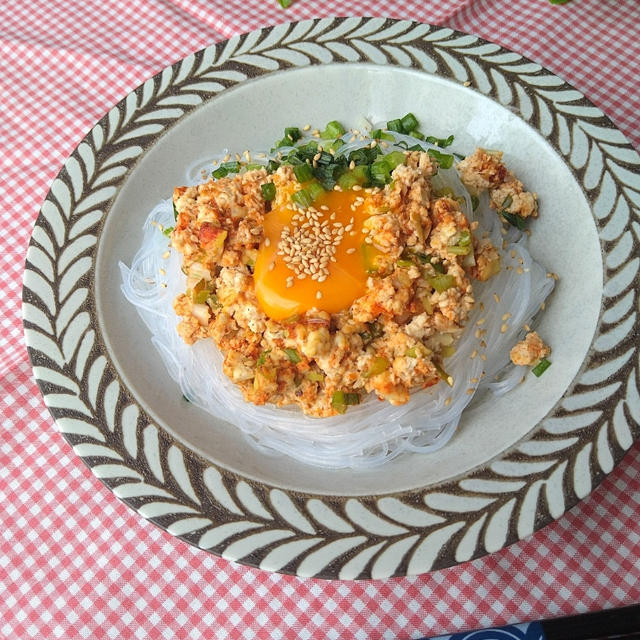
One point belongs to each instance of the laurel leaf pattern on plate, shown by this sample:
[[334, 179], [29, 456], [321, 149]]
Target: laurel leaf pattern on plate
[[340, 536]]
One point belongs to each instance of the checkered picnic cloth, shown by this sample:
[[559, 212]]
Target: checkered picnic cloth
[[74, 560]]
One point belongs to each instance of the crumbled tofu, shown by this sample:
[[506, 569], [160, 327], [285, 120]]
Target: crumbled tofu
[[530, 350]]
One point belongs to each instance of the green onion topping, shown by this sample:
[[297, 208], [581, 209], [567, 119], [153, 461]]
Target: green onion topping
[[409, 123], [293, 355], [506, 203], [443, 375], [225, 169], [340, 400], [441, 142], [167, 231], [444, 159], [541, 367], [378, 365], [303, 172], [268, 191], [302, 198], [262, 358], [513, 220], [333, 130], [441, 282]]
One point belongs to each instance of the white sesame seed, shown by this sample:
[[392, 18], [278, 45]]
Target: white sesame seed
[[351, 250], [318, 295]]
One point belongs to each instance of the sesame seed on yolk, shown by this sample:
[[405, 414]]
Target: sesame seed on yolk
[[311, 258]]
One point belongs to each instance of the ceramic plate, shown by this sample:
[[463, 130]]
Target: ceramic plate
[[515, 463]]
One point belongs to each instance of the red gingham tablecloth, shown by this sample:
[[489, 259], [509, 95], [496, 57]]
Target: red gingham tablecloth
[[76, 562]]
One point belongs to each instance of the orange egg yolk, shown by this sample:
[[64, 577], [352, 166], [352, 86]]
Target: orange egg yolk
[[314, 258]]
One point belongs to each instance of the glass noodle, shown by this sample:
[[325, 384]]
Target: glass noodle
[[372, 432]]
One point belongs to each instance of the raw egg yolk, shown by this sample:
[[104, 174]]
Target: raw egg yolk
[[315, 257]]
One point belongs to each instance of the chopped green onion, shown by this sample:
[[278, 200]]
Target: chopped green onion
[[374, 330], [416, 134], [405, 264], [272, 166], [340, 400], [293, 355], [395, 125], [284, 3], [448, 351], [335, 145], [315, 190], [513, 220], [225, 169], [459, 250], [465, 238], [362, 173], [175, 211], [441, 142], [314, 376], [262, 358], [541, 367], [303, 172], [443, 375], [214, 302], [380, 172], [444, 159], [378, 366], [333, 130], [253, 166], [379, 134], [409, 123], [347, 180], [268, 191], [364, 155], [167, 231], [292, 133], [200, 297], [411, 353], [507, 202], [395, 158], [559, 1], [441, 282], [475, 201], [302, 198]]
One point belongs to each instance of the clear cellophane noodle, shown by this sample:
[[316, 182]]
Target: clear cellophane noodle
[[372, 432]]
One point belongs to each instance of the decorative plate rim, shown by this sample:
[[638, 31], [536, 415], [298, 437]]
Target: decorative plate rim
[[335, 537]]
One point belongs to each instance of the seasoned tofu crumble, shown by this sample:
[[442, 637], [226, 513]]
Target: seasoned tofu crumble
[[360, 290]]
